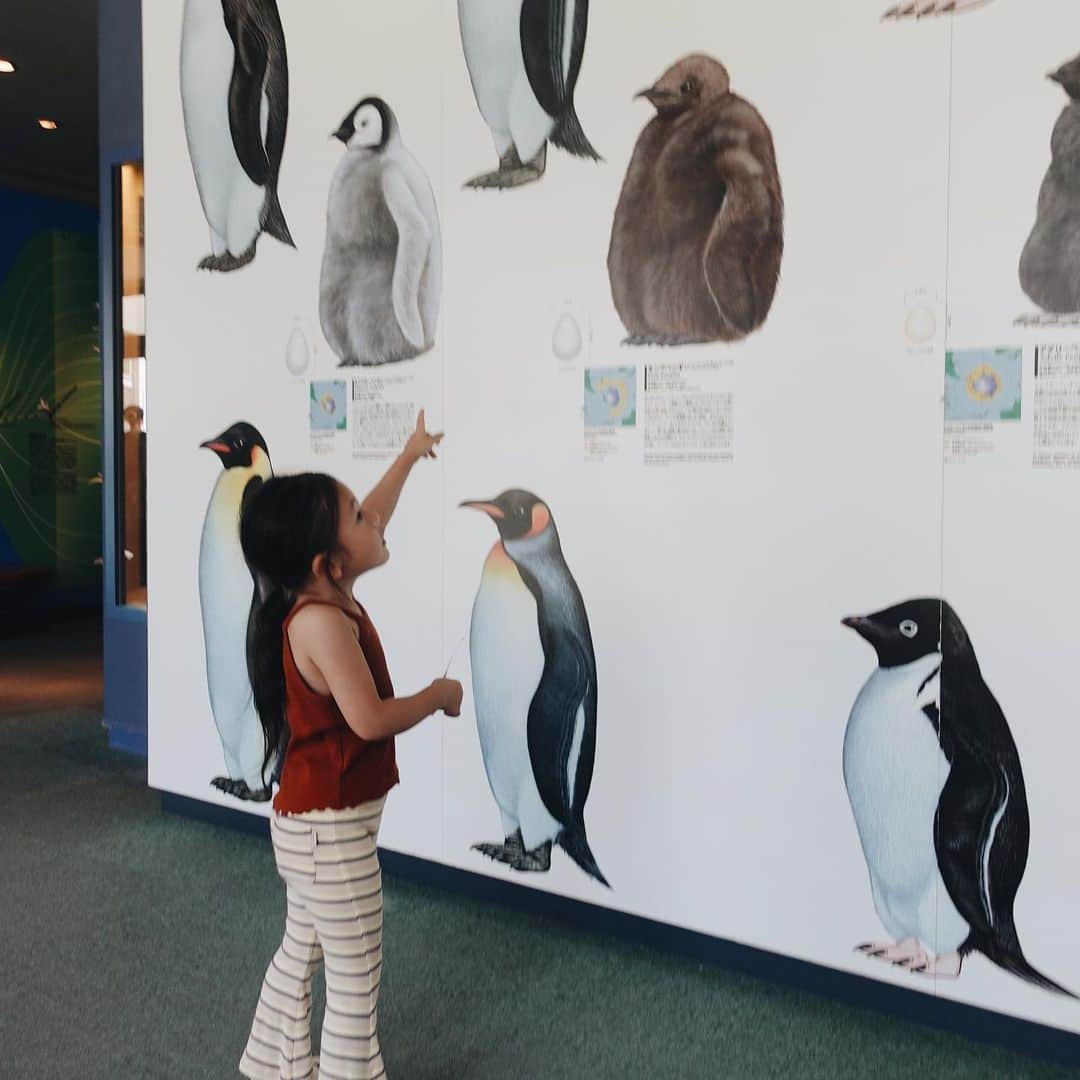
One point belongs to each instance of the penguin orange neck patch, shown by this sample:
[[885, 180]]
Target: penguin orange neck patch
[[541, 519]]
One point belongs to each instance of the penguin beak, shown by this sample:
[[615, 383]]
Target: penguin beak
[[343, 134], [861, 625], [488, 508], [656, 97], [219, 448]]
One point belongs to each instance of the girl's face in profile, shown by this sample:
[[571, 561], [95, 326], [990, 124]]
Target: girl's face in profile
[[360, 536]]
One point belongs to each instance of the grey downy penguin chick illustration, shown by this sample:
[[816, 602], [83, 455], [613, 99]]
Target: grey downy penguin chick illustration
[[698, 233], [1050, 262], [381, 282], [234, 87], [534, 685], [229, 597], [524, 58], [936, 788]]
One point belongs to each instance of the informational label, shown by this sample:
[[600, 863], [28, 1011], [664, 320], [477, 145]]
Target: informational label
[[610, 412], [1057, 407], [383, 414], [689, 419], [983, 402]]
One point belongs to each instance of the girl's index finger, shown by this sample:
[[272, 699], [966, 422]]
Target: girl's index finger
[[420, 421]]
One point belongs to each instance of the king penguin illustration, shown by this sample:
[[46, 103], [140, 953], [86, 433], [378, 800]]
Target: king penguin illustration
[[229, 597], [935, 784], [699, 228], [234, 85], [524, 58], [534, 684], [381, 282], [1050, 262]]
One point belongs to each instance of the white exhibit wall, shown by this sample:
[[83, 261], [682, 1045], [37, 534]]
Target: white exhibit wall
[[910, 156]]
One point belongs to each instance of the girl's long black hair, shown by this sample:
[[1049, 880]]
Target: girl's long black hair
[[285, 522]]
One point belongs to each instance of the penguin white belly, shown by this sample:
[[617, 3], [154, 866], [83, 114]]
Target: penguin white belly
[[225, 595], [895, 770], [507, 663], [231, 202], [491, 38]]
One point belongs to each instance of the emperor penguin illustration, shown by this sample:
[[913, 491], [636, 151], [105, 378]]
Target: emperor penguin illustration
[[381, 280], [230, 596], [234, 84], [935, 784], [698, 233], [524, 58], [920, 9], [534, 684], [1050, 262]]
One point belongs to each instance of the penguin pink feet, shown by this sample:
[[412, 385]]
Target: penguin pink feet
[[919, 9], [892, 952], [911, 956]]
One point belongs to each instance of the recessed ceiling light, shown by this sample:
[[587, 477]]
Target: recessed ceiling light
[[48, 125], [7, 67]]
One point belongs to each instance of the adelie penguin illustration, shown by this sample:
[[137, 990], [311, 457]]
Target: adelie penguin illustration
[[935, 784], [524, 58], [229, 597], [534, 685], [382, 267], [234, 83], [1050, 262], [921, 9], [699, 228]]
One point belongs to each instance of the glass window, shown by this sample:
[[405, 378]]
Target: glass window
[[131, 380]]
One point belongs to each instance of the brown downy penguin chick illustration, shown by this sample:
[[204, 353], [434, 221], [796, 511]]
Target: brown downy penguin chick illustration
[[698, 232]]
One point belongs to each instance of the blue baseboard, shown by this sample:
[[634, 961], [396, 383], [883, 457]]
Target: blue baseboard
[[989, 1027], [127, 740]]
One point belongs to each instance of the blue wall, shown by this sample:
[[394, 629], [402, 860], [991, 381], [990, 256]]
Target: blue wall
[[120, 124]]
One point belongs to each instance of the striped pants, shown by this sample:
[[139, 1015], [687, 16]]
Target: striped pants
[[328, 861]]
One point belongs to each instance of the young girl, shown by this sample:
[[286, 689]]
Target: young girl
[[321, 681]]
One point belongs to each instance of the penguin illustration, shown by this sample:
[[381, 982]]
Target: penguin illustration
[[935, 784], [920, 9], [229, 597], [234, 85], [524, 57], [382, 268], [698, 231], [534, 683], [1050, 262]]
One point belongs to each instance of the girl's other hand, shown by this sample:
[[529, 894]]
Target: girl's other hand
[[421, 444], [450, 694]]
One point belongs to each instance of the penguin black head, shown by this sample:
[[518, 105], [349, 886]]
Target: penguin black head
[[909, 631], [236, 445], [1068, 77], [517, 514], [690, 82], [369, 126]]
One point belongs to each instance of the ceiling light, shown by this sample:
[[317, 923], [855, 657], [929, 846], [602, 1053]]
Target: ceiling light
[[48, 125], [7, 67]]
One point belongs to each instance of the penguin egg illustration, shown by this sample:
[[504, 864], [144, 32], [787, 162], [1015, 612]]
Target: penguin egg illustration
[[920, 326], [566, 341], [297, 352]]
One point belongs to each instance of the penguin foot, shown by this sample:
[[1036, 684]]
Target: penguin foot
[[224, 263], [665, 340], [512, 852], [238, 789], [512, 171], [899, 952], [937, 967], [919, 9], [1046, 318]]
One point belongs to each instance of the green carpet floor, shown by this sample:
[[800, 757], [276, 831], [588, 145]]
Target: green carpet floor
[[133, 944]]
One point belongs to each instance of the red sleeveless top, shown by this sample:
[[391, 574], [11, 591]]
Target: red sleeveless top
[[327, 765]]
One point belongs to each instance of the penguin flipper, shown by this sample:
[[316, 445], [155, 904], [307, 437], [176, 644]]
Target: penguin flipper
[[567, 692], [246, 92], [552, 72], [414, 246]]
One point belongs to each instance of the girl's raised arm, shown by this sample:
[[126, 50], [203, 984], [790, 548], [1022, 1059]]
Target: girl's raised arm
[[383, 498]]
